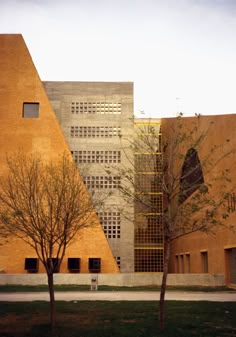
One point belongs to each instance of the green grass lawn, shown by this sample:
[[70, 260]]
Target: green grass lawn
[[37, 288], [118, 319]]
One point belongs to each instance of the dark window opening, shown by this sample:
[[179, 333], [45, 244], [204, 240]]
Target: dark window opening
[[232, 203], [118, 261], [177, 263], [94, 265], [204, 258], [188, 265], [31, 265], [30, 110], [73, 264], [55, 264], [181, 263], [191, 175]]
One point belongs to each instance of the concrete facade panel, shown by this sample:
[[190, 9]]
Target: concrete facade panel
[[64, 95], [119, 280]]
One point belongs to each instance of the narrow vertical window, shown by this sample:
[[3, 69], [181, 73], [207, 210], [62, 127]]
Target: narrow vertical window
[[181, 257], [187, 263], [204, 258], [177, 263], [30, 110]]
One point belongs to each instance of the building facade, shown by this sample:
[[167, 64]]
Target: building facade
[[139, 247], [94, 122], [29, 125], [97, 121], [148, 219], [213, 252]]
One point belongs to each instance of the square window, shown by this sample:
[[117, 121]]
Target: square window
[[94, 265], [73, 264], [30, 110], [32, 265]]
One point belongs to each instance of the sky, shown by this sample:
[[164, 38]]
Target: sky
[[180, 54]]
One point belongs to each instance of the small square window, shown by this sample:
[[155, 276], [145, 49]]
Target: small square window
[[31, 265], [94, 265], [73, 264], [30, 110]]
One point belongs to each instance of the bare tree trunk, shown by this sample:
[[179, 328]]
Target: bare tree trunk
[[52, 300], [163, 285]]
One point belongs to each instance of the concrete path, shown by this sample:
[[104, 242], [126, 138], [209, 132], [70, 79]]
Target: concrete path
[[229, 296]]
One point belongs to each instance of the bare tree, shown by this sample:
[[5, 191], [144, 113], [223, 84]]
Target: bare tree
[[175, 193], [46, 205]]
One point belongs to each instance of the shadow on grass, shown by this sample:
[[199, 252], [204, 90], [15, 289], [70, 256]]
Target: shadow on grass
[[116, 319]]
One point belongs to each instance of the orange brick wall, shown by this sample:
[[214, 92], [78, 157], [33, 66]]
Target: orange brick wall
[[19, 82], [223, 128]]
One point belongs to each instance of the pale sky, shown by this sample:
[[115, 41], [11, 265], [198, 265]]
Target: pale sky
[[180, 54]]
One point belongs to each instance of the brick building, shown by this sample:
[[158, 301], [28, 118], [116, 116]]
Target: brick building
[[28, 123], [213, 253], [96, 125]]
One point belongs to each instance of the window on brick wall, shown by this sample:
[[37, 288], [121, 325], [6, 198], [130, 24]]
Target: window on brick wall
[[187, 263], [73, 264], [94, 265], [191, 175], [30, 110], [177, 263], [204, 260], [31, 264]]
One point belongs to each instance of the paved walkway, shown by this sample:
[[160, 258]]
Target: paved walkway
[[229, 296]]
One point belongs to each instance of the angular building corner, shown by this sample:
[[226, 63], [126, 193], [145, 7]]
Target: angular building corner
[[28, 123]]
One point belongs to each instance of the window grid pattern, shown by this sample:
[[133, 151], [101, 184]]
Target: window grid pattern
[[111, 224], [149, 203], [148, 260], [149, 236], [149, 233], [88, 157], [95, 131], [102, 108], [148, 162], [149, 182], [102, 182]]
